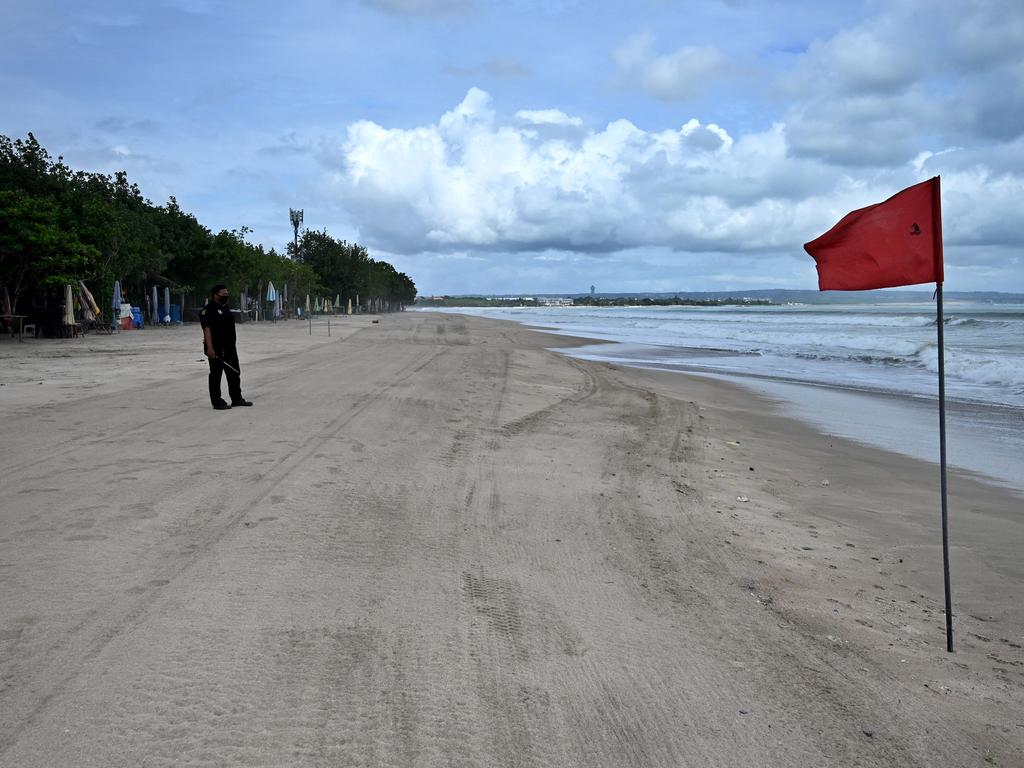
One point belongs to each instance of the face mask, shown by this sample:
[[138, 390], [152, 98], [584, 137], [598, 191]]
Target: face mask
[[222, 299]]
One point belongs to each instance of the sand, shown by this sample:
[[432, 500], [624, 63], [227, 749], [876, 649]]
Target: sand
[[433, 542]]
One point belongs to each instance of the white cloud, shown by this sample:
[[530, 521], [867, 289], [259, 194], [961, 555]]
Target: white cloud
[[475, 183], [677, 76], [547, 117]]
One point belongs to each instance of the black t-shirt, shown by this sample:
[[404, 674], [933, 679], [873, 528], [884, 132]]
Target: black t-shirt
[[220, 321]]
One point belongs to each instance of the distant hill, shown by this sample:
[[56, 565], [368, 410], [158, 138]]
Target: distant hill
[[783, 296], [773, 295]]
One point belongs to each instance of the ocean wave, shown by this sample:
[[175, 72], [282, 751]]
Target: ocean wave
[[977, 368], [975, 322], [807, 318], [867, 359]]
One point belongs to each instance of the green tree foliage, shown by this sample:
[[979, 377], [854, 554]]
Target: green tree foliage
[[346, 269], [58, 226]]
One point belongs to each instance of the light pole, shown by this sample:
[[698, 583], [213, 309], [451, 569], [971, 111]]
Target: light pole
[[296, 219]]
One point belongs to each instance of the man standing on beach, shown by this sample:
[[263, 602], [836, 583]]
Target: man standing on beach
[[219, 346]]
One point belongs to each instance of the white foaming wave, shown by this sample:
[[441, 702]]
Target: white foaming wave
[[805, 343], [1005, 371], [745, 317]]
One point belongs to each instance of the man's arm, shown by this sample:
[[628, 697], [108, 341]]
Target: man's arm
[[208, 338]]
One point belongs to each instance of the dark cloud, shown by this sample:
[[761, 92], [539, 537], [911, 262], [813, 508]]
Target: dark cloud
[[876, 141], [986, 34]]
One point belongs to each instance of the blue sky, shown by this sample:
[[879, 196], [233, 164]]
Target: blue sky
[[524, 146]]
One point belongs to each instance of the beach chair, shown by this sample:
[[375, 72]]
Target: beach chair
[[97, 324]]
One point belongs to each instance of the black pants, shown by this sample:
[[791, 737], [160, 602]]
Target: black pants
[[217, 367]]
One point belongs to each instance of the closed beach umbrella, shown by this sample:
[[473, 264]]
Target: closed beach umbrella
[[307, 303], [271, 292], [7, 302], [350, 306], [87, 313], [88, 297], [154, 308], [167, 304], [337, 302], [69, 306], [115, 302]]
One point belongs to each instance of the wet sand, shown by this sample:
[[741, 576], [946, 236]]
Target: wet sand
[[434, 542]]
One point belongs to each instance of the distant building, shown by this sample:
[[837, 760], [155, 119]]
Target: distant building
[[549, 302]]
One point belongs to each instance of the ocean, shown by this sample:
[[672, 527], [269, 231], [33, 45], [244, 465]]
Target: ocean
[[865, 372]]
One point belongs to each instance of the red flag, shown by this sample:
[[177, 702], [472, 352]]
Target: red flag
[[898, 242]]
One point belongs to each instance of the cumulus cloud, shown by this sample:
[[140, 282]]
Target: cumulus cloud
[[476, 183], [547, 117], [677, 76]]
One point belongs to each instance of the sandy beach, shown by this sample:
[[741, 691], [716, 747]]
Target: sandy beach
[[434, 542]]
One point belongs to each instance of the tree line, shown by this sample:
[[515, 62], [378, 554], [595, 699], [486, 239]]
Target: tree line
[[59, 226]]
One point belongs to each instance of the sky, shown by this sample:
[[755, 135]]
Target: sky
[[520, 146]]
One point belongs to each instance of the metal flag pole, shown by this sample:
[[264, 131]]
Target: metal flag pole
[[942, 470], [939, 324]]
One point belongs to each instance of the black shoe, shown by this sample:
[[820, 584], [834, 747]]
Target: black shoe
[[237, 403], [221, 406]]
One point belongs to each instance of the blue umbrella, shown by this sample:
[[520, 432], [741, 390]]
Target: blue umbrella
[[116, 303], [271, 292]]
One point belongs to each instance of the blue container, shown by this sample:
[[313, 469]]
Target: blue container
[[176, 313], [137, 317]]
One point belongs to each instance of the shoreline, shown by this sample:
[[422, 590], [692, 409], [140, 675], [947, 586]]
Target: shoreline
[[434, 539], [982, 443]]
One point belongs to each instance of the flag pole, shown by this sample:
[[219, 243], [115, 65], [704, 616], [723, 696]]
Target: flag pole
[[942, 470], [939, 324]]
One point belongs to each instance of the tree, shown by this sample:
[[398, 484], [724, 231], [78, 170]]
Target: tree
[[34, 249], [58, 226]]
